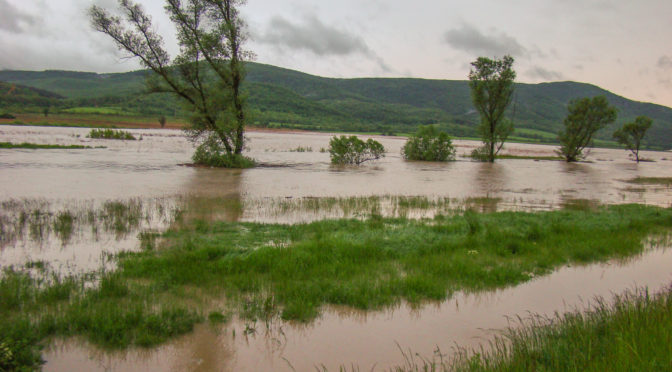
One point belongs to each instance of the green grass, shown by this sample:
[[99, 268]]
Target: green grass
[[666, 181], [26, 145], [110, 134], [631, 333], [268, 270], [98, 111]]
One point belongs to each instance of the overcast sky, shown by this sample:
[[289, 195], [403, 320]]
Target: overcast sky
[[624, 46]]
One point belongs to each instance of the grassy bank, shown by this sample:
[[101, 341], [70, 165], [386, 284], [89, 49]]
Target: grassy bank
[[33, 146], [631, 333], [264, 271]]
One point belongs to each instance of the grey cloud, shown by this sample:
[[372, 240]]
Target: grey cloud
[[12, 19], [665, 62], [667, 83], [538, 72], [470, 39], [314, 36]]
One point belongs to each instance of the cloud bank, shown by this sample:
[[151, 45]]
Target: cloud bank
[[471, 40], [313, 36], [12, 19]]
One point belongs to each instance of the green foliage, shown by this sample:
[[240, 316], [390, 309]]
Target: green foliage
[[631, 333], [20, 346], [162, 121], [585, 117], [211, 153], [631, 134], [97, 110], [429, 144], [6, 115], [491, 83], [208, 74], [352, 150], [110, 134]]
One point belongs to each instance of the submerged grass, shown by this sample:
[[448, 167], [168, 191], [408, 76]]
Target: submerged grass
[[270, 270], [666, 181], [33, 146], [631, 333], [522, 157]]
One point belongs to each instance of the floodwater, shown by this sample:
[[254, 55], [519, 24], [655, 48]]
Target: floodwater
[[37, 186], [74, 208]]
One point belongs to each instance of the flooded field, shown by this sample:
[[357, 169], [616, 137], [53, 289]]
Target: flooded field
[[373, 340], [72, 209]]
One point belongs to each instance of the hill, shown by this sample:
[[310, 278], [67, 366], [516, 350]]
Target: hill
[[281, 97]]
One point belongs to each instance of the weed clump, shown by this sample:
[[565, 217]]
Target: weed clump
[[111, 134]]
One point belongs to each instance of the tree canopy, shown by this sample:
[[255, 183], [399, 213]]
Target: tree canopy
[[631, 134], [585, 117], [491, 83], [207, 74]]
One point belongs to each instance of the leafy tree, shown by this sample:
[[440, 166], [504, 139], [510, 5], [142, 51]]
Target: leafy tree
[[352, 150], [162, 121], [631, 134], [429, 144], [491, 83], [586, 116], [207, 74]]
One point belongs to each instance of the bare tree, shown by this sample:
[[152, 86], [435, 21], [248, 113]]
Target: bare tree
[[207, 74]]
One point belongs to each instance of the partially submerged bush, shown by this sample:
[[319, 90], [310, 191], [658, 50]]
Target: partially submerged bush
[[110, 134], [429, 144], [352, 150], [212, 153], [480, 154]]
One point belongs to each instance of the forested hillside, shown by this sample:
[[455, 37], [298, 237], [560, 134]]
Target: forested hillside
[[285, 98]]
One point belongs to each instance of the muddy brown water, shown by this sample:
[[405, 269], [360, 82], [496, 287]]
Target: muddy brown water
[[372, 340], [148, 172]]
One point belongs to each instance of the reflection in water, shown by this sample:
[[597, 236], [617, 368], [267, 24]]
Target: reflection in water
[[490, 178], [74, 236], [215, 195]]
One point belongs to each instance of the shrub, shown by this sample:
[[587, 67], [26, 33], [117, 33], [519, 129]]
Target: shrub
[[352, 150], [6, 115], [429, 144], [480, 154], [110, 134], [211, 153]]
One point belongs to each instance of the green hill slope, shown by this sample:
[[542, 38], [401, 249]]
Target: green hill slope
[[281, 97]]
